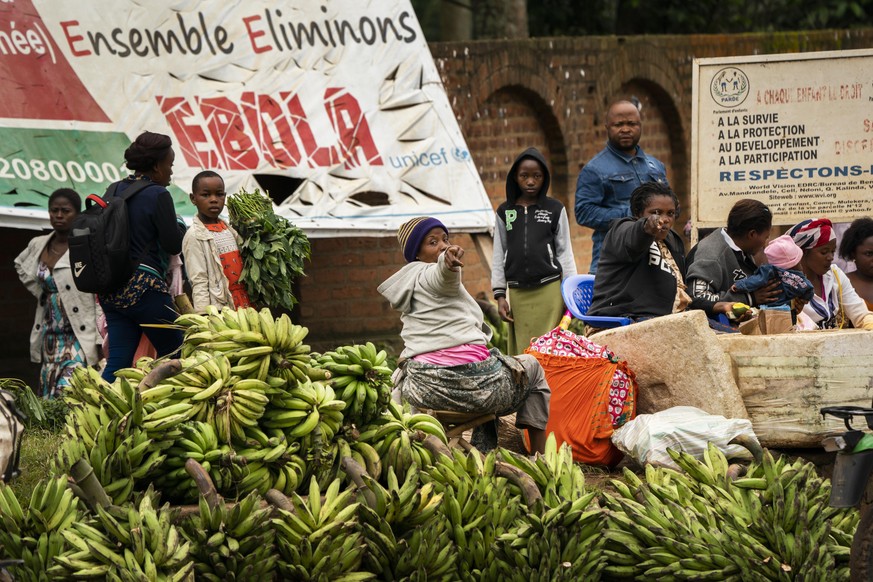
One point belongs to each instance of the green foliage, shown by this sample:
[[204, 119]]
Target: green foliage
[[41, 414], [273, 250], [627, 17]]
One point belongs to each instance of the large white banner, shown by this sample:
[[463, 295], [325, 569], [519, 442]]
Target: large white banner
[[793, 131], [335, 107]]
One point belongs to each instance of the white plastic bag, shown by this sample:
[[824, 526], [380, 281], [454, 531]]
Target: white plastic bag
[[647, 437]]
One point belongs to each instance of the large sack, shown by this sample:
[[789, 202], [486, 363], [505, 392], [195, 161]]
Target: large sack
[[579, 410], [678, 361]]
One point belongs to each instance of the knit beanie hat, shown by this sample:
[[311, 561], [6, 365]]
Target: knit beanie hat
[[783, 252], [412, 233]]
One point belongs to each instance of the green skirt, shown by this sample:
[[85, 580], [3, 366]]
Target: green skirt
[[536, 311]]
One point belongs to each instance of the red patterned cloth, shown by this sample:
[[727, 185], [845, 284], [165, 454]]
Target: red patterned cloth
[[622, 392], [231, 261]]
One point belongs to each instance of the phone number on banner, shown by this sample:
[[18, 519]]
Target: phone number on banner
[[56, 171]]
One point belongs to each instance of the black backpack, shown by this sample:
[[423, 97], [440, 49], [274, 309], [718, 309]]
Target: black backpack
[[100, 241]]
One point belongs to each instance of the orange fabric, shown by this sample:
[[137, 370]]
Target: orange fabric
[[579, 407]]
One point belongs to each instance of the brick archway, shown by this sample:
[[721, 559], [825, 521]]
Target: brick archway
[[524, 84], [646, 70]]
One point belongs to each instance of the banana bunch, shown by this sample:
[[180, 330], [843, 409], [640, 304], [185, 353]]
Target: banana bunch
[[423, 553], [556, 474], [230, 544], [309, 408], [243, 478], [120, 453], [397, 436], [237, 406], [198, 441], [404, 506], [564, 543], [190, 394], [361, 378], [34, 533], [701, 523], [363, 454], [258, 344], [87, 389], [320, 540], [480, 506], [136, 542]]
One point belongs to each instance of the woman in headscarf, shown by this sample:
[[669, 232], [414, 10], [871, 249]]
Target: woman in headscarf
[[835, 303]]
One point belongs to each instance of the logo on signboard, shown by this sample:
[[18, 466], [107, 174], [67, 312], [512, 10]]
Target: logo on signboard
[[460, 155], [729, 87]]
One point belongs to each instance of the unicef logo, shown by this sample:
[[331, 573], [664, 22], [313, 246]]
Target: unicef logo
[[729, 87], [460, 155]]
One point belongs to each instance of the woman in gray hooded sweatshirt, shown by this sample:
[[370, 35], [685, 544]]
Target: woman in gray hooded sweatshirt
[[532, 252], [445, 364]]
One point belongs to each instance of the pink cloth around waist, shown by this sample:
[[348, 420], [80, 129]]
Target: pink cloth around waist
[[463, 354]]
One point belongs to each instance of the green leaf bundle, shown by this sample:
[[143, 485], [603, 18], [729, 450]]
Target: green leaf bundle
[[273, 250]]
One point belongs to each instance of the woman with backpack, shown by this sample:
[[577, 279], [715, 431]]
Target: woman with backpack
[[155, 234], [64, 333]]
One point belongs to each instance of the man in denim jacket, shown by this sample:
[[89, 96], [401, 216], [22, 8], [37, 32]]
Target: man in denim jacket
[[604, 186]]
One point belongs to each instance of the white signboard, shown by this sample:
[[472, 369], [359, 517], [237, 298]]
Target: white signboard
[[334, 107], [793, 131]]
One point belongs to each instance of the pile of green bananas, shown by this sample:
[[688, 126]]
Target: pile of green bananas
[[198, 441], [320, 538], [35, 533], [397, 437], [231, 544], [121, 455], [309, 408], [564, 543], [360, 378], [555, 473], [706, 524], [258, 344], [135, 542]]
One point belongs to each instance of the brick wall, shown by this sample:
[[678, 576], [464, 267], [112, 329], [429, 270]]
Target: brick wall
[[508, 95]]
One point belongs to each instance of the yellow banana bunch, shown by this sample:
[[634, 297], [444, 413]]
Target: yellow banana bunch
[[232, 543], [258, 344], [136, 542], [310, 408], [360, 376]]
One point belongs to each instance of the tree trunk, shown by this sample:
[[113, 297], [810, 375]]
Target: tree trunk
[[500, 19], [456, 20]]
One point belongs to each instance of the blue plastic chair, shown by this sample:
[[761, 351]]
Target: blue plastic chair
[[577, 292]]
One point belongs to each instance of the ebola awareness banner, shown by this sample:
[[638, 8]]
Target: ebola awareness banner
[[792, 131], [334, 107]]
